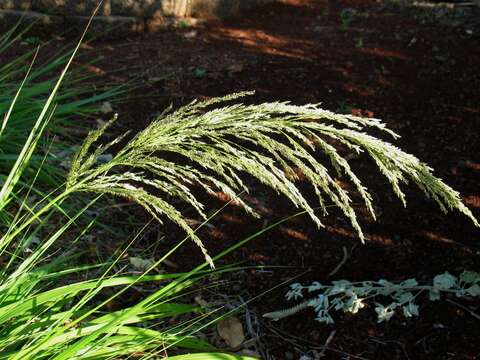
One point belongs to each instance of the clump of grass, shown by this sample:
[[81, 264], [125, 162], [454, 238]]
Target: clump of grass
[[46, 310], [74, 102]]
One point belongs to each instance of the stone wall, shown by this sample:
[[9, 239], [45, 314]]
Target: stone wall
[[124, 15]]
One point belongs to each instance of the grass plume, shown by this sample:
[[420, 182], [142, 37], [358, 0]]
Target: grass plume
[[266, 141]]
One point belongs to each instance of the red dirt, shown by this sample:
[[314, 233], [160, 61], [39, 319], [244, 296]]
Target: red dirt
[[422, 79]]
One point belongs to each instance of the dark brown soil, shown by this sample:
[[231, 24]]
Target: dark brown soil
[[423, 79]]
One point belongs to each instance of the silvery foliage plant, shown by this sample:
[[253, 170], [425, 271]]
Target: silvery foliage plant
[[387, 297]]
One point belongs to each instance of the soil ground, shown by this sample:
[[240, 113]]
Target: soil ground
[[361, 56]]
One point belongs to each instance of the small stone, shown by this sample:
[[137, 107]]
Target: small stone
[[190, 34]]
